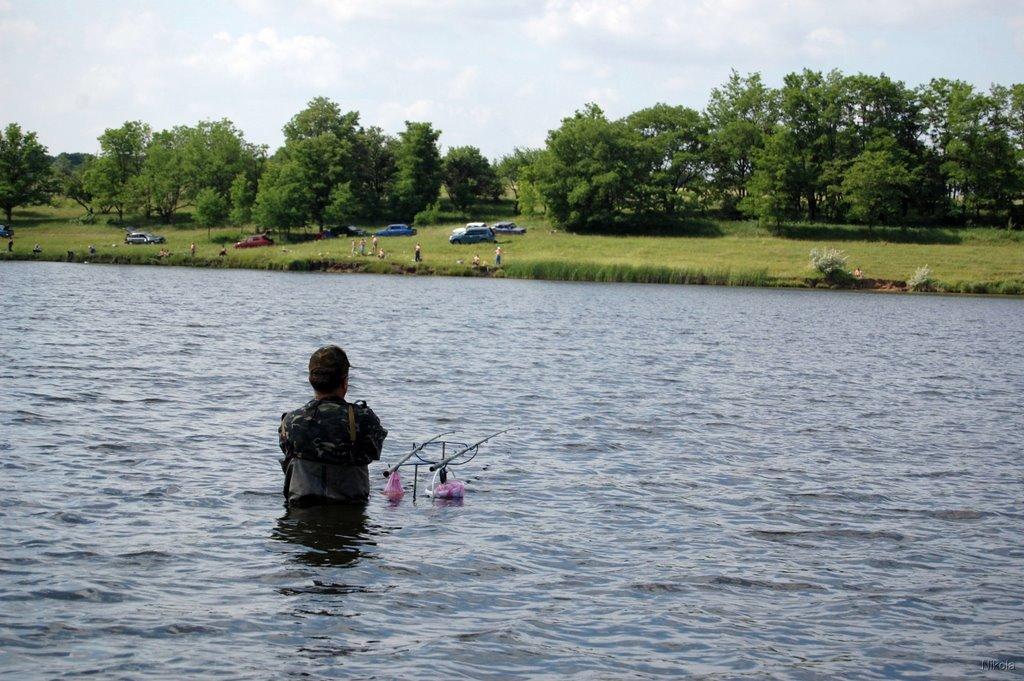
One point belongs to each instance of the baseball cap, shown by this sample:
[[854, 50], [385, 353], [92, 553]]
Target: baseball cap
[[330, 360]]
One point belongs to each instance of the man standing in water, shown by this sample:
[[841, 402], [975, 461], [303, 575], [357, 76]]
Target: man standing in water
[[328, 443]]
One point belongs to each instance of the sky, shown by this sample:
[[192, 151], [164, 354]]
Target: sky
[[492, 73]]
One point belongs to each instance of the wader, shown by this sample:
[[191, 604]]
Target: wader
[[308, 482]]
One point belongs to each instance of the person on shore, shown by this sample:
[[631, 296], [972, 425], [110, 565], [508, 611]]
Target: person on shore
[[376, 241], [192, 249], [92, 250], [328, 442], [223, 252], [10, 245], [37, 249], [362, 247], [381, 254], [353, 248], [497, 256], [476, 262], [857, 273], [417, 256]]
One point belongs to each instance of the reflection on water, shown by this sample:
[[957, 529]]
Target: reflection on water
[[720, 482], [330, 535]]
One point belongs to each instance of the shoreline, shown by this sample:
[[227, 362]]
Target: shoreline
[[540, 271]]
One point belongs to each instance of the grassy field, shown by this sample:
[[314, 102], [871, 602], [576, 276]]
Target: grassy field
[[736, 253]]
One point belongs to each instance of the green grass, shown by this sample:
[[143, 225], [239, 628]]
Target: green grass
[[978, 260]]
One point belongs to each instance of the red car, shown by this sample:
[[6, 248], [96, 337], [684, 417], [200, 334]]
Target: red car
[[255, 241]]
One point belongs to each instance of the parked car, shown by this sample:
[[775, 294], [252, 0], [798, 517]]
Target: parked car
[[143, 238], [472, 233], [6, 232], [396, 230], [507, 228], [255, 241], [334, 232]]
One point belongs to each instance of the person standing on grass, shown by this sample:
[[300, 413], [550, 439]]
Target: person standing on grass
[[353, 247], [418, 257], [362, 247], [476, 262], [497, 256], [375, 242], [192, 249], [10, 245]]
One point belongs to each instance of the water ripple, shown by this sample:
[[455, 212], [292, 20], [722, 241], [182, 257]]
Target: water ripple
[[718, 483]]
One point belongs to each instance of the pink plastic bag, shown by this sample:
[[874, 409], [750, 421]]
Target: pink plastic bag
[[453, 489], [393, 489]]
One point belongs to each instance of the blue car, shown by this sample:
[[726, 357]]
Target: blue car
[[6, 232], [396, 230]]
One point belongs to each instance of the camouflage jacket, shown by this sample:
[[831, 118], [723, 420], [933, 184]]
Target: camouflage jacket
[[320, 431]]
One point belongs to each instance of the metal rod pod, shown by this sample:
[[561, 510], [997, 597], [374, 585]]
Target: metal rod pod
[[444, 462], [388, 471]]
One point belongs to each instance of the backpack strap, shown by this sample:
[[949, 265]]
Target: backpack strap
[[351, 423]]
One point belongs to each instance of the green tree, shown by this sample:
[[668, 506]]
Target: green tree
[[214, 153], [211, 208], [511, 169], [674, 143], [468, 177], [122, 153], [813, 107], [592, 171], [283, 199], [972, 139], [242, 199], [69, 171], [322, 142], [774, 189], [741, 114], [25, 175], [877, 183], [344, 206], [376, 166], [165, 183], [419, 176]]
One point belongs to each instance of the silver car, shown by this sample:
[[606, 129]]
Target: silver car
[[143, 238]]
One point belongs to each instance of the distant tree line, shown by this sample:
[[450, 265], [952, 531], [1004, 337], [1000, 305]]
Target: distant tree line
[[822, 147], [330, 170]]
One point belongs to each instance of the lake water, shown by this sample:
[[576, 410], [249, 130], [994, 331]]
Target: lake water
[[720, 482]]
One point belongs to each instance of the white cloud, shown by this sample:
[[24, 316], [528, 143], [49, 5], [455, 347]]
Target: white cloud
[[257, 8], [394, 114], [311, 59], [463, 82], [822, 42], [437, 11], [17, 30], [604, 96], [654, 29]]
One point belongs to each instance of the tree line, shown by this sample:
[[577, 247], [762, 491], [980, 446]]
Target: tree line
[[822, 147], [330, 170]]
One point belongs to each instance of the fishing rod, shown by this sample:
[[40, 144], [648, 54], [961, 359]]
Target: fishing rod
[[414, 451], [444, 462]]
